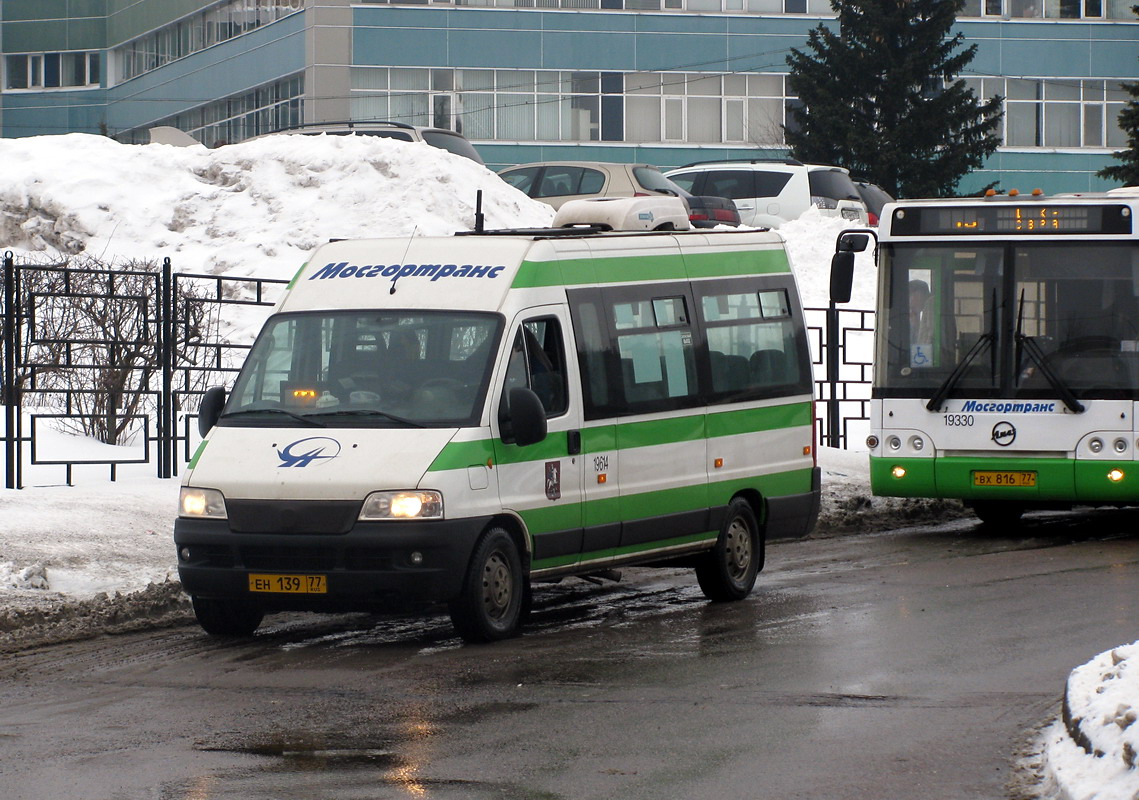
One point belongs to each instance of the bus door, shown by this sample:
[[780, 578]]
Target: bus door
[[542, 482]]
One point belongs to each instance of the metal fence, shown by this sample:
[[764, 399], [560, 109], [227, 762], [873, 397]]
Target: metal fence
[[78, 340], [158, 339]]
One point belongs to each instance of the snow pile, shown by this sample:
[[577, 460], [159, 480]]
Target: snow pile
[[1092, 753], [251, 209]]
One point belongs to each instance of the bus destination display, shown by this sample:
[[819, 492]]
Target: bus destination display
[[1034, 218]]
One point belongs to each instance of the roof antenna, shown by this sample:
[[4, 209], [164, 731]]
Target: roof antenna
[[478, 212], [401, 264]]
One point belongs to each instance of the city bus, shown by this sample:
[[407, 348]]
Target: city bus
[[1006, 360]]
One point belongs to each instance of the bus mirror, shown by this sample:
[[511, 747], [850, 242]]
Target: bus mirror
[[525, 419], [852, 242], [210, 409], [842, 276]]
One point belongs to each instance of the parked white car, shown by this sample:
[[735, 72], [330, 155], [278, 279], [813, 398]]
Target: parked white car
[[769, 192]]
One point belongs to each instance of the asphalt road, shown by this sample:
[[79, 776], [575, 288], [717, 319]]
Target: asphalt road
[[906, 664]]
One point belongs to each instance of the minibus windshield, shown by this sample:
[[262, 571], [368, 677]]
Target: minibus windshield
[[367, 369]]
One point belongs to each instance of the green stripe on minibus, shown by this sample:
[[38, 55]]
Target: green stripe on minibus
[[626, 269], [647, 433], [665, 501]]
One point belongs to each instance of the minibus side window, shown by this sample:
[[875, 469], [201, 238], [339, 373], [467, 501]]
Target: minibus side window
[[655, 348], [753, 348], [537, 362]]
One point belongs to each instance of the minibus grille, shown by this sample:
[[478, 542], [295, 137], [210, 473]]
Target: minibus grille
[[284, 557], [292, 516]]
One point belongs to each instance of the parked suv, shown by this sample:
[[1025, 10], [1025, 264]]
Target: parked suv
[[442, 138], [556, 182], [769, 192]]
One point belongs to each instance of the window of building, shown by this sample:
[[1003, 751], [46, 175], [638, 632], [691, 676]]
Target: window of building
[[197, 32], [71, 70], [268, 108], [1057, 112]]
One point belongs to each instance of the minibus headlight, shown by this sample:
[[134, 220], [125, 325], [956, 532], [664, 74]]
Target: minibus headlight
[[410, 504], [201, 503]]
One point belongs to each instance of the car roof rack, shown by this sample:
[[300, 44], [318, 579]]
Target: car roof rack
[[349, 123], [768, 160]]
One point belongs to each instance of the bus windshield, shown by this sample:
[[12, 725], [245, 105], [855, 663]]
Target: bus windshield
[[367, 369], [1048, 320]]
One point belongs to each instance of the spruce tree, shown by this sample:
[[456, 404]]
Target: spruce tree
[[882, 97], [1127, 172]]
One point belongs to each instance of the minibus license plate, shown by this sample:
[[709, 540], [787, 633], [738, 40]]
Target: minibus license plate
[[288, 584], [1004, 478]]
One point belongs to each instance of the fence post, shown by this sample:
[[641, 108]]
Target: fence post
[[833, 421], [10, 396], [167, 424]]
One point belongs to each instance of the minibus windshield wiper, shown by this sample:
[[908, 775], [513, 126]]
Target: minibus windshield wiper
[[298, 417], [984, 342], [370, 412], [1028, 344]]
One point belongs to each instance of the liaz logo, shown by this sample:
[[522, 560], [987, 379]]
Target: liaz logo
[[303, 452], [1004, 434]]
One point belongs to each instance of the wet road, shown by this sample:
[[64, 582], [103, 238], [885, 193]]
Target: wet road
[[906, 664]]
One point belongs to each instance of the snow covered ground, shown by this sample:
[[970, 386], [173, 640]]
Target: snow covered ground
[[98, 556]]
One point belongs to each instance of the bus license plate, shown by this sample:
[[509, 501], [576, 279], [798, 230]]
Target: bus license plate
[[288, 584], [1004, 478]]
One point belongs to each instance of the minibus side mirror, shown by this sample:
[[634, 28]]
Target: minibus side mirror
[[208, 412], [524, 419]]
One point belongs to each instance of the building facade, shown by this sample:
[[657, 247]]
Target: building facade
[[658, 81]]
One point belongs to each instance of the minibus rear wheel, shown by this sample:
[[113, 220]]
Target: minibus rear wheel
[[227, 617], [729, 570], [489, 606]]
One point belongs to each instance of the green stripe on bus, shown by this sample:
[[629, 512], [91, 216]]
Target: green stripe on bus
[[1056, 479], [647, 433], [672, 266]]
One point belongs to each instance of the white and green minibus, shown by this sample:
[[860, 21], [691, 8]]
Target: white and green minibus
[[454, 419]]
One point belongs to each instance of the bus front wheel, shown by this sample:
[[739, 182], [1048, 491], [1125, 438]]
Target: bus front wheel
[[729, 570], [997, 512]]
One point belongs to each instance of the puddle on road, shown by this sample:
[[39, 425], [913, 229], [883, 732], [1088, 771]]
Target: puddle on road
[[305, 769]]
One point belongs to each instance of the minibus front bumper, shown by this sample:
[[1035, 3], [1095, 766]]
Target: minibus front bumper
[[373, 565]]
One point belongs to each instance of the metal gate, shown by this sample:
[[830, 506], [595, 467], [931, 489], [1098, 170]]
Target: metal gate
[[114, 351]]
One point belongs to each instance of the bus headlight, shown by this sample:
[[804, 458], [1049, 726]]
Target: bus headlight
[[917, 443], [898, 471], [894, 443], [1115, 476], [1095, 445], [409, 504], [1120, 445], [201, 503]]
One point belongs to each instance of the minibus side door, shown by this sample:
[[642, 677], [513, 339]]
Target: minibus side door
[[541, 482]]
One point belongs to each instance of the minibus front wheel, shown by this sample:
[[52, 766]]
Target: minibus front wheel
[[490, 605], [729, 570], [227, 617]]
